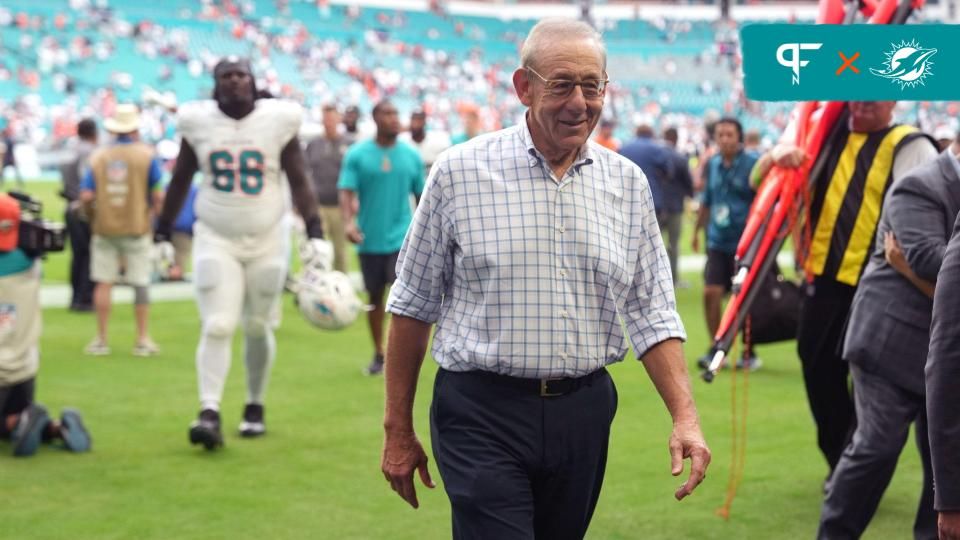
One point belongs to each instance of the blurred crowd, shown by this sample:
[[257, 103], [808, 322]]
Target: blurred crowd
[[58, 50]]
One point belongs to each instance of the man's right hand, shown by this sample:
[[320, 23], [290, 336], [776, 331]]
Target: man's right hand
[[687, 441], [402, 454], [949, 525], [353, 233], [695, 242], [894, 253]]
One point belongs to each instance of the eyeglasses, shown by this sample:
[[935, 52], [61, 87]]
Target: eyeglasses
[[561, 88]]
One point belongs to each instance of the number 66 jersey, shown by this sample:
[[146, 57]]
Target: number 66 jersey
[[241, 193]]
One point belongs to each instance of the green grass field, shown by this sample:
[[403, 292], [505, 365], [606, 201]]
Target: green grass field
[[316, 474]]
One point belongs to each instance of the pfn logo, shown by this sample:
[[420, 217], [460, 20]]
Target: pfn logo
[[794, 62]]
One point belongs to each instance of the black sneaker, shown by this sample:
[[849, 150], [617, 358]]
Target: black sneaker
[[205, 430], [28, 431], [252, 425], [376, 365], [75, 436]]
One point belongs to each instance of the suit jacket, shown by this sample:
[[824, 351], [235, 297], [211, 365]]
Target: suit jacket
[[655, 162], [943, 380], [678, 186], [889, 326]]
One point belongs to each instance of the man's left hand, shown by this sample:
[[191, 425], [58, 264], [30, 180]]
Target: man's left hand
[[687, 441]]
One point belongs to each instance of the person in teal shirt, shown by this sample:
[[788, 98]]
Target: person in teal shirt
[[376, 182], [724, 209]]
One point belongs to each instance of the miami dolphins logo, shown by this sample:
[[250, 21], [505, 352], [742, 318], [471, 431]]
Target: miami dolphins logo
[[907, 64]]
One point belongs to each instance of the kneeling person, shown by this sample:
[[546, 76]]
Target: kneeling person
[[25, 423]]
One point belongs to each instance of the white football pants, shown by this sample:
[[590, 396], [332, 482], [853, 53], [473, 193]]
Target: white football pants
[[238, 279]]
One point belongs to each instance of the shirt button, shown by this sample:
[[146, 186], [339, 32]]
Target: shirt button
[[563, 273], [563, 313], [562, 229], [562, 355]]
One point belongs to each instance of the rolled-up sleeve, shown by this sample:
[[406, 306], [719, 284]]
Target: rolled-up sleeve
[[425, 263], [650, 311]]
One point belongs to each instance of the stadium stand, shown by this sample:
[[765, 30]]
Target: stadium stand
[[64, 58]]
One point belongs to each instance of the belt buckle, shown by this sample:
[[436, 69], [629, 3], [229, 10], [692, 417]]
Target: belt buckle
[[543, 388]]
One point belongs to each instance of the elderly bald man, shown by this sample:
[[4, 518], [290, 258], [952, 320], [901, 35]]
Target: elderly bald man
[[531, 249]]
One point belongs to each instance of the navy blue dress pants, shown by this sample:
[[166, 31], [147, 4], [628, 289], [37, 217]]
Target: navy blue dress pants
[[518, 465]]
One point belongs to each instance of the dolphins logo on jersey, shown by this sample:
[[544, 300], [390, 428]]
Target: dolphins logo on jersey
[[907, 64]]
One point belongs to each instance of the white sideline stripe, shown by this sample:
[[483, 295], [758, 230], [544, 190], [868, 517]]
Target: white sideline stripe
[[58, 295], [695, 263]]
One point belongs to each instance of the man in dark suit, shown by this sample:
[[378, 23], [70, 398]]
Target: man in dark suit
[[653, 159], [674, 192], [78, 227], [943, 384], [886, 346]]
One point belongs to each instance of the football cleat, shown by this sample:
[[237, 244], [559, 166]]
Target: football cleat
[[205, 430], [252, 425]]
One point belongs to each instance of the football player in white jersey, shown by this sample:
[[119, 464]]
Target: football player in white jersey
[[241, 244]]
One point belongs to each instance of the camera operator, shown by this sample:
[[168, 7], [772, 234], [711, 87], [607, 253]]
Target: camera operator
[[23, 421]]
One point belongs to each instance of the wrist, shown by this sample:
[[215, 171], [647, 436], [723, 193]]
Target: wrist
[[687, 423], [686, 415], [394, 428], [163, 229], [313, 227]]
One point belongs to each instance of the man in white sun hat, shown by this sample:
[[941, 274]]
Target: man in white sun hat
[[121, 192]]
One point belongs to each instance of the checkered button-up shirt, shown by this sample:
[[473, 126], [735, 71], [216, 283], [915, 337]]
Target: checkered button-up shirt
[[529, 275]]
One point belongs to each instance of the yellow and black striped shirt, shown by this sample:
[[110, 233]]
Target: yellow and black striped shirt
[[850, 179]]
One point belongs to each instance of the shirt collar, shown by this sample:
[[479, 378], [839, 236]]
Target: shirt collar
[[733, 162], [586, 155]]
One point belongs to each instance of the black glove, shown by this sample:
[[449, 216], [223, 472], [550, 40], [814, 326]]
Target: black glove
[[162, 233]]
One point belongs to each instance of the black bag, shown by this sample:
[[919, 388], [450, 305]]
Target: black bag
[[775, 312]]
